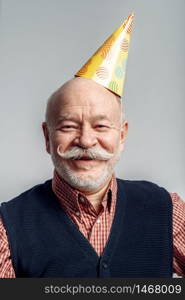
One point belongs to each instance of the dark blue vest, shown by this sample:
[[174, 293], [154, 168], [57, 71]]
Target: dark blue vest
[[44, 242]]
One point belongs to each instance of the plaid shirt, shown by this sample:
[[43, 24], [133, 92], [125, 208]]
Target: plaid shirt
[[96, 226]]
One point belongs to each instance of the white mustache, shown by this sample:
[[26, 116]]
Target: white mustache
[[77, 153]]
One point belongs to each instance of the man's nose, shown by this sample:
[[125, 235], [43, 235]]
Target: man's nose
[[86, 138]]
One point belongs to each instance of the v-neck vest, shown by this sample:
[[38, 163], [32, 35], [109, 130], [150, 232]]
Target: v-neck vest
[[44, 242]]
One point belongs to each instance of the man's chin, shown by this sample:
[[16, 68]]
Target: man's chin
[[85, 172], [84, 180], [82, 177]]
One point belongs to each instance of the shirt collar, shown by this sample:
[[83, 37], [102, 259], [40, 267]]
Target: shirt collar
[[70, 197]]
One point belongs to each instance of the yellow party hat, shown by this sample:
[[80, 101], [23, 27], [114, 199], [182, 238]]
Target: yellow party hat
[[108, 65]]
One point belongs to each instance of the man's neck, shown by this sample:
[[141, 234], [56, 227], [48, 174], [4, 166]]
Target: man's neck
[[96, 197]]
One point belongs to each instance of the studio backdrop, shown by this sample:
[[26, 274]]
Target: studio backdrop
[[44, 43]]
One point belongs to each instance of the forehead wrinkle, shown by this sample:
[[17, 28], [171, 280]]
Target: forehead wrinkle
[[65, 116], [84, 114], [68, 117], [79, 105]]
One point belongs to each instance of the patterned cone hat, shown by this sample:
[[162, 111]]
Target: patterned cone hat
[[108, 65]]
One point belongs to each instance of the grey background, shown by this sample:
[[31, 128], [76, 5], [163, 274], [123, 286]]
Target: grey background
[[44, 42]]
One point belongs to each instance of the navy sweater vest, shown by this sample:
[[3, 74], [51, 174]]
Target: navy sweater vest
[[44, 242]]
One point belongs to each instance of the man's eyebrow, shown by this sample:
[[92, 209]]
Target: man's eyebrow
[[100, 117], [68, 117], [65, 117]]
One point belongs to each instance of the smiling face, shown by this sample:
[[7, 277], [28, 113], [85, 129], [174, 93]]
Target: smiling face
[[84, 133]]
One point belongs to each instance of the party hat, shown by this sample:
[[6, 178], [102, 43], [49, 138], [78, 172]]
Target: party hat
[[108, 64]]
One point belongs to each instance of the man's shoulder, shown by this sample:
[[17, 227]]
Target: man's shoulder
[[144, 188], [138, 183], [25, 196]]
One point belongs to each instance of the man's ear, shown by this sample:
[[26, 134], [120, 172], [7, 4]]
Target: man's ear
[[123, 134], [46, 136]]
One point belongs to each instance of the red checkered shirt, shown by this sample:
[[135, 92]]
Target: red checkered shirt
[[96, 226]]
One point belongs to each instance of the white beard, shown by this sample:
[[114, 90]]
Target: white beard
[[87, 183]]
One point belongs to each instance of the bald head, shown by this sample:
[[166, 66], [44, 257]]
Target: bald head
[[81, 90]]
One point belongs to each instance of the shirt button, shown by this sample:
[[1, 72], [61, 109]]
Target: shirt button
[[77, 213], [82, 199], [105, 265], [98, 221]]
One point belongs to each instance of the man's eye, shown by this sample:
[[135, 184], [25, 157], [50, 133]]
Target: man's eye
[[68, 127], [101, 126]]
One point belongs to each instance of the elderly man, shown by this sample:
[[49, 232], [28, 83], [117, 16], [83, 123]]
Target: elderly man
[[85, 222]]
